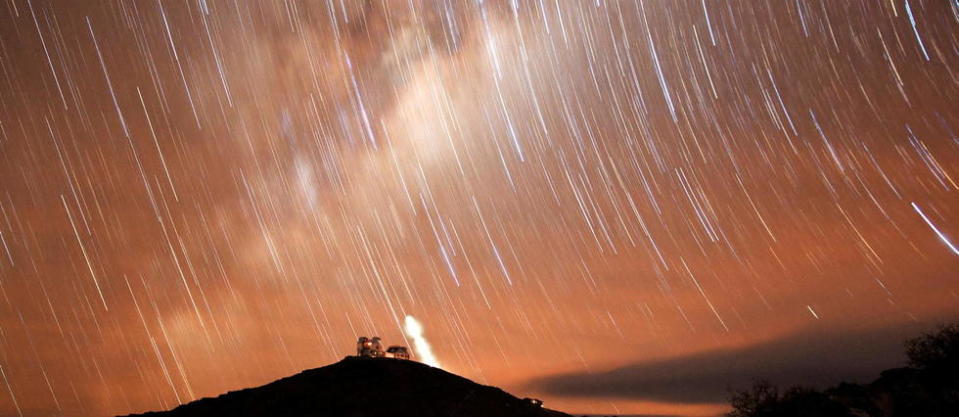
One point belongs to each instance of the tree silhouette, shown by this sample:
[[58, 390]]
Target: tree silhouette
[[928, 387], [764, 400], [935, 352]]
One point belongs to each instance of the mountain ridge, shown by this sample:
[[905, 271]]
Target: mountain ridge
[[364, 387]]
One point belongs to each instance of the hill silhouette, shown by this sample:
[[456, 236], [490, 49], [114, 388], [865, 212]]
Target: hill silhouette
[[365, 387]]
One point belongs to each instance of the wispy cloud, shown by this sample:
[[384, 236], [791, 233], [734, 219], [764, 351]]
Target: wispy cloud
[[814, 357]]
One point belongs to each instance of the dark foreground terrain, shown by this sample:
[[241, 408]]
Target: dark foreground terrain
[[927, 387], [363, 387]]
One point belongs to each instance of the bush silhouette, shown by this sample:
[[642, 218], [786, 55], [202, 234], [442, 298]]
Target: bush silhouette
[[764, 400], [928, 387], [935, 352]]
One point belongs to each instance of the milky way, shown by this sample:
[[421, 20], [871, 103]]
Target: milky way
[[201, 196]]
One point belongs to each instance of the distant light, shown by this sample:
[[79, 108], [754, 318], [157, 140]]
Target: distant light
[[415, 331]]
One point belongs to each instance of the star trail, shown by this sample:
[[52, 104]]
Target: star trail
[[199, 196]]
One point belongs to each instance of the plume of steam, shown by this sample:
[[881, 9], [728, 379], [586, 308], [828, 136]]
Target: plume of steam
[[414, 330]]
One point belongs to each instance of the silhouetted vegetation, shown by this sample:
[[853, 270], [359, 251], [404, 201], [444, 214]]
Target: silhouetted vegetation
[[764, 400], [935, 352], [928, 387]]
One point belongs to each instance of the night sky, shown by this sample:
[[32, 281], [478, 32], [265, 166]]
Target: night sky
[[615, 206]]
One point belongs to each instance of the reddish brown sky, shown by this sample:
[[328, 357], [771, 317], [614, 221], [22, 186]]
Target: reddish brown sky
[[614, 206]]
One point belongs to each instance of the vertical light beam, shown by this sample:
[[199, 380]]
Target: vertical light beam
[[415, 331]]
